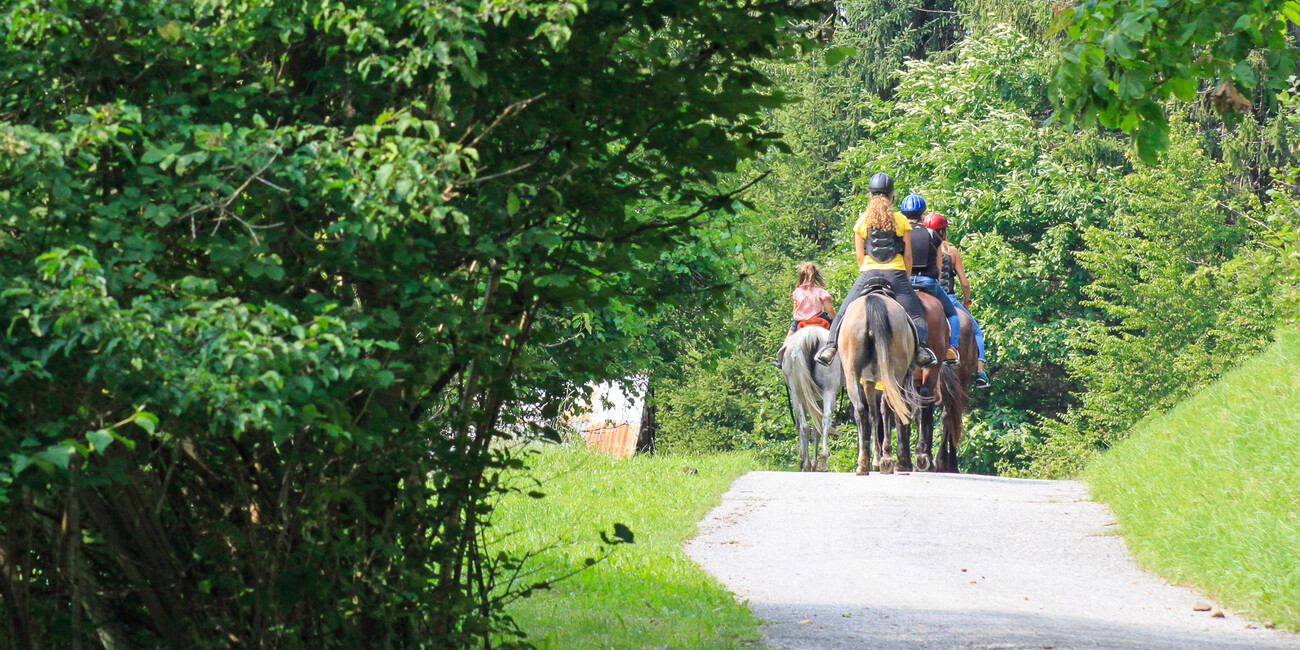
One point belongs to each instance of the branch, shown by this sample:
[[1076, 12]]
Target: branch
[[656, 225]]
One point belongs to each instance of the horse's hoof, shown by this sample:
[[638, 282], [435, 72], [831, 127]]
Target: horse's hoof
[[887, 466], [862, 471], [923, 463], [904, 467]]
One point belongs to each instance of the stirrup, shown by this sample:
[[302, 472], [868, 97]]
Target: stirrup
[[925, 357], [826, 355], [953, 356], [982, 380]]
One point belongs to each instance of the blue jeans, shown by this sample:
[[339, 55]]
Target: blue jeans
[[979, 334], [931, 286]]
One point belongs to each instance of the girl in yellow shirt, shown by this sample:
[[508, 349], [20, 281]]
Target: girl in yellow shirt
[[884, 250]]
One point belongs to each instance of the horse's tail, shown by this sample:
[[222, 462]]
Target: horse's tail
[[887, 362], [954, 404], [799, 359]]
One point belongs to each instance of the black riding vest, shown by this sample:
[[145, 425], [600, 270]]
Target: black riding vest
[[924, 243], [946, 275], [883, 245]]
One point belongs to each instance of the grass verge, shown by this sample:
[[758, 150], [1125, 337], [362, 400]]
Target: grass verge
[[645, 594], [1208, 494]]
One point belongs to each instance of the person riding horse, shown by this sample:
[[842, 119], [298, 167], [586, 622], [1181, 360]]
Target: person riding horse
[[951, 272], [884, 254], [925, 267]]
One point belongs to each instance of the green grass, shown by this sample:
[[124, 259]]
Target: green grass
[[645, 594], [1208, 494]]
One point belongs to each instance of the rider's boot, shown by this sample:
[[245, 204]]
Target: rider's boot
[[826, 355], [982, 380], [953, 357], [924, 357]]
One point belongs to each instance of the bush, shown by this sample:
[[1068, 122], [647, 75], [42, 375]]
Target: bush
[[276, 276]]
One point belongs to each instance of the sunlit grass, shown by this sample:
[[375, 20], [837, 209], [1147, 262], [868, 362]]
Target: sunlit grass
[[1208, 494], [645, 594]]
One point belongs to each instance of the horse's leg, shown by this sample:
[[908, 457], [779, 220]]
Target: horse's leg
[[801, 422], [878, 424], [948, 450], [905, 446], [885, 434], [861, 414], [828, 409], [925, 439]]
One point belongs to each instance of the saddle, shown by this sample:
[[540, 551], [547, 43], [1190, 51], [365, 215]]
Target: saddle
[[878, 285], [815, 321]]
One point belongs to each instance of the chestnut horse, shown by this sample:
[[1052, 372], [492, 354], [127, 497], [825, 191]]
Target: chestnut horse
[[928, 389], [955, 384], [876, 348]]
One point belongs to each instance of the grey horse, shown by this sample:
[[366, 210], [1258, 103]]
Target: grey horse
[[813, 390]]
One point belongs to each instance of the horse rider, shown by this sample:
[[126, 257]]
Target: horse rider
[[925, 267], [951, 271], [884, 251]]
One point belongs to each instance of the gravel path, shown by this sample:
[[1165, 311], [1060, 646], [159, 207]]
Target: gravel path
[[834, 560]]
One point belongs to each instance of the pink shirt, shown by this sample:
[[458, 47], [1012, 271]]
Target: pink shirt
[[808, 301]]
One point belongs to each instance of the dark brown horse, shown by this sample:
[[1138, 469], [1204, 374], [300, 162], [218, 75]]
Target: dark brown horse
[[927, 383], [955, 384]]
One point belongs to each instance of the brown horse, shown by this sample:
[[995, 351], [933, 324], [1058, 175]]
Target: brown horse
[[926, 381], [955, 384], [876, 348]]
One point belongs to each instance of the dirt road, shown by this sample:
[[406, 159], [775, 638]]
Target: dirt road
[[943, 561]]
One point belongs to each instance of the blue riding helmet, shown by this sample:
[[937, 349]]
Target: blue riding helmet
[[912, 203]]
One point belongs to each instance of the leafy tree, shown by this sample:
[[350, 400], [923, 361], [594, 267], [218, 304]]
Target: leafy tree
[[277, 275], [1175, 311], [967, 135], [797, 212], [1122, 59]]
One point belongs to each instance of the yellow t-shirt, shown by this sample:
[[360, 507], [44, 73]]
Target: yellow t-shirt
[[901, 228]]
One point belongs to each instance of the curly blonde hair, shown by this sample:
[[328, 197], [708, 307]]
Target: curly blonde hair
[[880, 212]]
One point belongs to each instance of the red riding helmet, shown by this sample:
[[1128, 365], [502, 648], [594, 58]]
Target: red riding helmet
[[935, 221]]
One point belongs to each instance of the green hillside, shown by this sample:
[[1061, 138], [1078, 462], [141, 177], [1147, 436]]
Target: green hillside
[[1208, 494]]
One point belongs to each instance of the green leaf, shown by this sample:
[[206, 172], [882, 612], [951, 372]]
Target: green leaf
[[1151, 139], [147, 421], [157, 155], [836, 54], [1183, 88], [1291, 11], [512, 204], [57, 455], [99, 440], [171, 31], [18, 463], [555, 280]]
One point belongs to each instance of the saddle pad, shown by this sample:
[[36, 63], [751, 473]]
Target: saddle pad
[[816, 321]]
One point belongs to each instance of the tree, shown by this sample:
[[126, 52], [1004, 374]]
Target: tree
[[278, 275], [1121, 60]]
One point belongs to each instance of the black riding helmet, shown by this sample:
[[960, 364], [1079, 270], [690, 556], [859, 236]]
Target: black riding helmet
[[881, 183]]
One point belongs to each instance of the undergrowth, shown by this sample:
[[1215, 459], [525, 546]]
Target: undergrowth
[[1208, 494]]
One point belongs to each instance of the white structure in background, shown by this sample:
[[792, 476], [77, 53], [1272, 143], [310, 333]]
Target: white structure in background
[[610, 418]]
